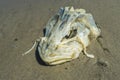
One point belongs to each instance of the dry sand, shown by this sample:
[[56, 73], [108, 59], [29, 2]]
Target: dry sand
[[22, 22]]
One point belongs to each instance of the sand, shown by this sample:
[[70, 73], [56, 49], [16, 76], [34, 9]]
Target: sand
[[22, 22]]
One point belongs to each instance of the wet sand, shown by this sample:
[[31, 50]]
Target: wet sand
[[22, 22]]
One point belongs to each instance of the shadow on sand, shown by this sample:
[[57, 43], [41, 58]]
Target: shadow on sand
[[39, 60]]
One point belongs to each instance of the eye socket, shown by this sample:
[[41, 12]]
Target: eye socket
[[72, 34]]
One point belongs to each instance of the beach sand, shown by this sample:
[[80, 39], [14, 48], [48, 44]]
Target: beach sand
[[22, 22]]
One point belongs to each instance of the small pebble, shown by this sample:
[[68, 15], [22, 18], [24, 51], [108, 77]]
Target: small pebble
[[15, 39], [66, 68], [102, 63]]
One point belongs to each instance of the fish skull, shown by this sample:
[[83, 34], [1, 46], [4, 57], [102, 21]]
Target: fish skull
[[67, 34]]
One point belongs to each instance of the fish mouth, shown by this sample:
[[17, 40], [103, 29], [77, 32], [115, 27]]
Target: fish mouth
[[58, 61]]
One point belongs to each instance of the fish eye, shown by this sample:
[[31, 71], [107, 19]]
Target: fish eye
[[72, 34]]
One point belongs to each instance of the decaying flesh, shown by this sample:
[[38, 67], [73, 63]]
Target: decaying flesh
[[67, 33]]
